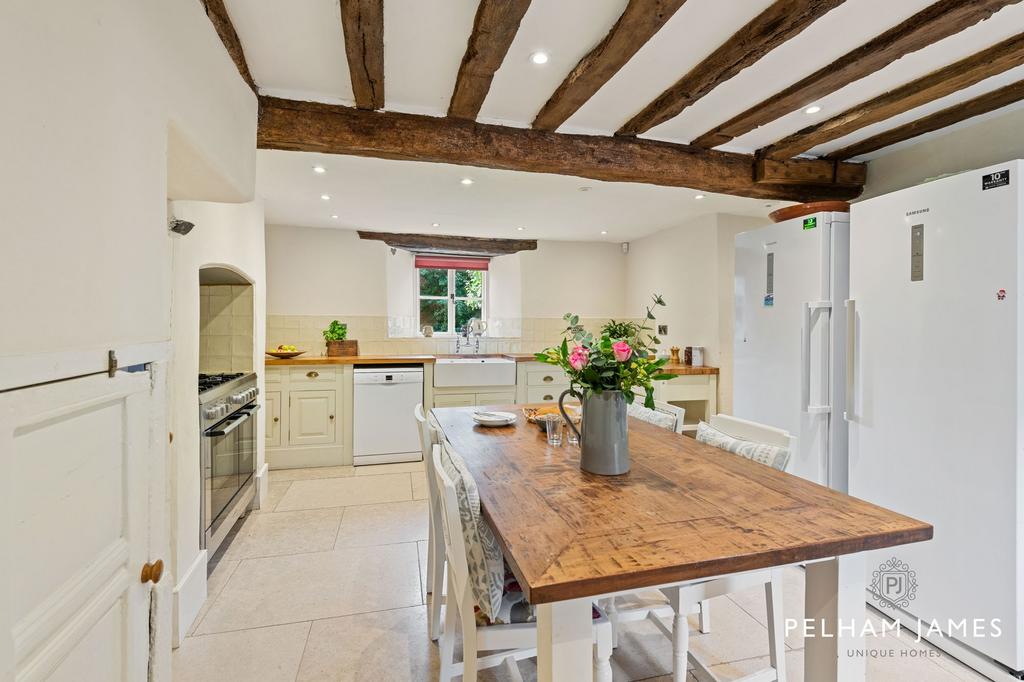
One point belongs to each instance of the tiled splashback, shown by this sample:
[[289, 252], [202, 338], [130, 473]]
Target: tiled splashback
[[304, 331], [225, 328]]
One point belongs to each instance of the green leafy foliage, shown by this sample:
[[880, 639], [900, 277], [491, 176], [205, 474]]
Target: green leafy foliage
[[336, 331], [605, 364]]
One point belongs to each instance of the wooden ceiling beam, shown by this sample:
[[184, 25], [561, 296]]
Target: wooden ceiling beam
[[363, 24], [962, 111], [451, 244], [638, 23], [494, 28], [332, 129], [218, 16], [781, 21], [937, 21], [1000, 57]]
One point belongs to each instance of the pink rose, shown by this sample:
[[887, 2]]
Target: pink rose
[[578, 358], [622, 351]]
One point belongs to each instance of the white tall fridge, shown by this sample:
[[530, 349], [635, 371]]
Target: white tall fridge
[[936, 415], [789, 342]]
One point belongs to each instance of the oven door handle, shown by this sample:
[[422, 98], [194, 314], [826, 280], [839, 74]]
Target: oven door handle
[[213, 433]]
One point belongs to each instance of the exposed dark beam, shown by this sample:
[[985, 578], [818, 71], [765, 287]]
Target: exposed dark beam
[[991, 101], [363, 24], [494, 28], [639, 22], [451, 244], [332, 129], [946, 81], [218, 15], [783, 20], [937, 21]]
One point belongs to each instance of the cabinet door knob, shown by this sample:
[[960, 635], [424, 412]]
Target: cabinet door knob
[[151, 573], [312, 375], [331, 417], [277, 419]]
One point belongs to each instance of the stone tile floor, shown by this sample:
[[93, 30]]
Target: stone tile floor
[[327, 582]]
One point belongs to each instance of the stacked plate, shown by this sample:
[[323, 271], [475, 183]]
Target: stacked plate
[[494, 418]]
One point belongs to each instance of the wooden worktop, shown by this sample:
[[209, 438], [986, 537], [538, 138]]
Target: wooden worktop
[[680, 369], [304, 360], [685, 511]]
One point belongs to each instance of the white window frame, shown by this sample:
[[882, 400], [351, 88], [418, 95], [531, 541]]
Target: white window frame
[[451, 298]]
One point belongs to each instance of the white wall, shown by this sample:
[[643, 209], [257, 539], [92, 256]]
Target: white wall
[[313, 271], [692, 267], [95, 87], [975, 143], [586, 278], [225, 235]]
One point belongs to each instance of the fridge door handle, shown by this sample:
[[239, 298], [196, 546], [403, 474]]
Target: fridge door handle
[[805, 357], [851, 340]]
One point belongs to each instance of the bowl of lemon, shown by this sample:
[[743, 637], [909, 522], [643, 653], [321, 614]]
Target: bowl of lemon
[[285, 351]]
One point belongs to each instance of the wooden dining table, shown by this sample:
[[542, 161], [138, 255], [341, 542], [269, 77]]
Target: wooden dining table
[[684, 512]]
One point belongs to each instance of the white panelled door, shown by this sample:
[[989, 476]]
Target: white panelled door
[[75, 460]]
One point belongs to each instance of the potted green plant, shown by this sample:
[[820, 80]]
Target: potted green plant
[[338, 345]]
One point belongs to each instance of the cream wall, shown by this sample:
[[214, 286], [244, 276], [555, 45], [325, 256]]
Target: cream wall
[[229, 236], [692, 267], [586, 278], [85, 162], [975, 143]]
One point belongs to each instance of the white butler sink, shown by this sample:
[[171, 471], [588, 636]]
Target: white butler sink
[[474, 372]]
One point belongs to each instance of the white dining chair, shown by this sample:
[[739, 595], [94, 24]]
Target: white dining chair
[[665, 415], [683, 597], [515, 641], [430, 436]]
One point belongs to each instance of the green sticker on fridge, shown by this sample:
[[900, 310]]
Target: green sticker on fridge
[[810, 223]]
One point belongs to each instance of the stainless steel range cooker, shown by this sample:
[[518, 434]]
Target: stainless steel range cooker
[[227, 407]]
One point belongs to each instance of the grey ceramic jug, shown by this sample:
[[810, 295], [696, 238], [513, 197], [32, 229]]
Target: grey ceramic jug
[[604, 442]]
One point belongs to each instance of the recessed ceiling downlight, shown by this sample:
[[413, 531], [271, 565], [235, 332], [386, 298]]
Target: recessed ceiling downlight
[[539, 57], [334, 217], [319, 169], [435, 224], [813, 109], [604, 231], [699, 197], [466, 181], [325, 197]]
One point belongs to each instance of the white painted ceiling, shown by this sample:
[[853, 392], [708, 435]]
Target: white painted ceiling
[[408, 196], [295, 49]]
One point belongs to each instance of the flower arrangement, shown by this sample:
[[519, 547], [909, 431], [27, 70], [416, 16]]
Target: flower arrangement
[[610, 362]]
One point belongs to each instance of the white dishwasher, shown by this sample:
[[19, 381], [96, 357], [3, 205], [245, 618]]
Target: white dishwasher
[[384, 429]]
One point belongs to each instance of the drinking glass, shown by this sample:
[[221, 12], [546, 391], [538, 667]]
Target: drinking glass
[[571, 437], [554, 429]]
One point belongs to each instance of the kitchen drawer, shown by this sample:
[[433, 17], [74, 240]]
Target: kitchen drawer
[[321, 374], [495, 398], [544, 394], [547, 376], [455, 400]]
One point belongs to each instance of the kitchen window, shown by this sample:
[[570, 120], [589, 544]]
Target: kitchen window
[[452, 290]]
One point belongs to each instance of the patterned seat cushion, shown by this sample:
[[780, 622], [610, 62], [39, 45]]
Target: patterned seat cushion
[[486, 563], [665, 420], [514, 607], [763, 453]]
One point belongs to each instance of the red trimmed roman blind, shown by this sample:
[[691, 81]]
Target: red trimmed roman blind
[[452, 262]]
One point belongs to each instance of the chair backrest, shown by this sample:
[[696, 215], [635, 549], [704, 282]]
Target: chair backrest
[[429, 437], [637, 409], [451, 525], [752, 431]]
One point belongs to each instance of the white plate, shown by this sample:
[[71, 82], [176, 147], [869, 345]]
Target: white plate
[[494, 418]]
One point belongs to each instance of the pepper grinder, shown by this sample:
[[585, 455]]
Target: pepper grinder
[[674, 350], [688, 356]]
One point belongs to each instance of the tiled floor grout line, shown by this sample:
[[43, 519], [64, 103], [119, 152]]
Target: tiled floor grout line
[[195, 626], [305, 620], [305, 644], [324, 551]]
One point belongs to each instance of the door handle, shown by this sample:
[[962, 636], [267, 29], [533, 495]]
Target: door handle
[[805, 357], [851, 341], [152, 572], [211, 433]]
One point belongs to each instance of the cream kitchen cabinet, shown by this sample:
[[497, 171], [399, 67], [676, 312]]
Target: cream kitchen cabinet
[[538, 382], [312, 417], [272, 410]]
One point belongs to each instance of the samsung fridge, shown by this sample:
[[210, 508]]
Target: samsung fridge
[[936, 403], [791, 281]]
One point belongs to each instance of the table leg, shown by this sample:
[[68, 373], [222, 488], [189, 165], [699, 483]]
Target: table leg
[[834, 606], [565, 641]]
